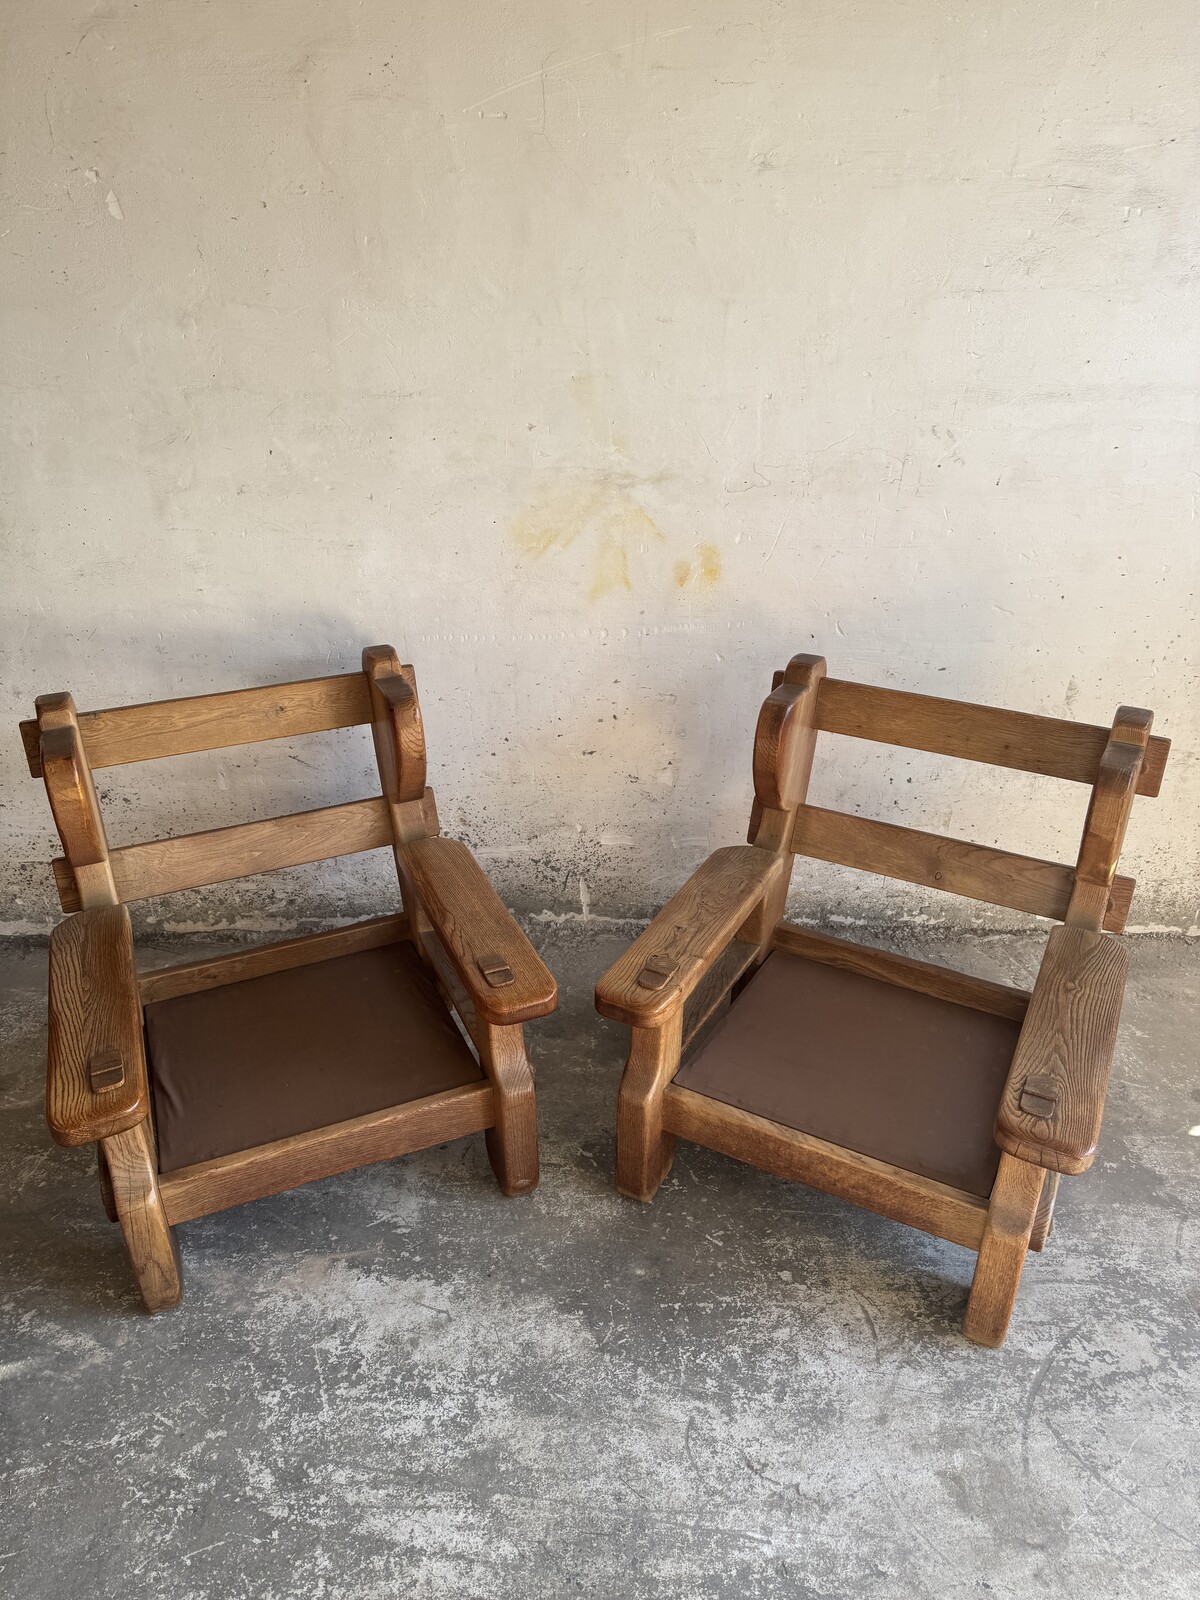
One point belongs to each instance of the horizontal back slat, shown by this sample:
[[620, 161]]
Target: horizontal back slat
[[1022, 883], [1049, 745], [214, 721], [164, 866]]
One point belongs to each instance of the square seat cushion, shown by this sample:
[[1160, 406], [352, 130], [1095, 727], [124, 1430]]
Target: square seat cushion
[[887, 1072], [249, 1062]]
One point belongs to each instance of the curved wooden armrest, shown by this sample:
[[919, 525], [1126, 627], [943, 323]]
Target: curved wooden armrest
[[499, 968], [654, 977], [96, 1083], [1053, 1101]]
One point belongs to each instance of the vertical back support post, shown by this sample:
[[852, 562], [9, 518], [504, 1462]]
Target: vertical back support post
[[399, 738], [72, 796], [784, 743], [1108, 816]]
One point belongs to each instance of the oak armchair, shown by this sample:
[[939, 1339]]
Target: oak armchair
[[944, 1101], [216, 1082]]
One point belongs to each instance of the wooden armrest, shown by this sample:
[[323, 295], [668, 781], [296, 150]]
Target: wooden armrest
[[96, 1082], [1053, 1101], [498, 966], [654, 977]]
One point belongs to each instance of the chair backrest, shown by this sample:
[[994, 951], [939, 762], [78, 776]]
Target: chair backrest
[[64, 746], [1117, 763]]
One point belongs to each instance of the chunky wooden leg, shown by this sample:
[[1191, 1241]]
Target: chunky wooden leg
[[1015, 1199], [644, 1151], [133, 1173], [512, 1144], [1043, 1223]]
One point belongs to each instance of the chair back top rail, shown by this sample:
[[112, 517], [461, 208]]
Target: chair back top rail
[[157, 728], [1025, 742]]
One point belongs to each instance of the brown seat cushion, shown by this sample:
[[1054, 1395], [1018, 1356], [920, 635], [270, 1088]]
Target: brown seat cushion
[[885, 1071], [292, 1051]]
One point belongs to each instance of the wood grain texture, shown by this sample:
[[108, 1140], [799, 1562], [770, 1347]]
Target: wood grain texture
[[129, 1157], [689, 933], [73, 801], [395, 724], [998, 999], [1014, 739], [189, 977], [164, 866], [718, 981], [450, 986], [286, 1163], [1065, 1050], [215, 721], [512, 1140], [645, 1149], [93, 1006], [784, 744], [954, 866], [472, 923], [875, 1185], [1107, 818], [1002, 1249], [1043, 1222]]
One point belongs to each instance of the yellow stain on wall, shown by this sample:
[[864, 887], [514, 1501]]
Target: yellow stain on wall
[[611, 569], [603, 507], [706, 571]]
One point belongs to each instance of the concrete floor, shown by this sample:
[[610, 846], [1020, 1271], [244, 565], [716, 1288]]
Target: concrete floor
[[397, 1383]]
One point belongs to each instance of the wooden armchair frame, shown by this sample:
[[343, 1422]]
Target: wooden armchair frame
[[712, 936], [98, 1078]]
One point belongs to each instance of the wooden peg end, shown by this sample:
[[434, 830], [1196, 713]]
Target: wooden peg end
[[497, 971], [1039, 1096], [106, 1069], [655, 975]]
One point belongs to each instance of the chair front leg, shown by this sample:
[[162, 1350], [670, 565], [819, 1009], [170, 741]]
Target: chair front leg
[[1016, 1196], [644, 1151], [512, 1143], [133, 1174]]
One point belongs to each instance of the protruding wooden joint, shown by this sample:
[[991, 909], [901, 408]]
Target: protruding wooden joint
[[656, 974], [415, 819], [106, 1069], [1040, 1096], [497, 971]]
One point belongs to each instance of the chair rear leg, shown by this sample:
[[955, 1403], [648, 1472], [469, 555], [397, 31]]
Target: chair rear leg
[[644, 1151], [1014, 1206], [133, 1174], [512, 1143]]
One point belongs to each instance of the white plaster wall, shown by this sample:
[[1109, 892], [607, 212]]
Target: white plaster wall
[[601, 356]]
